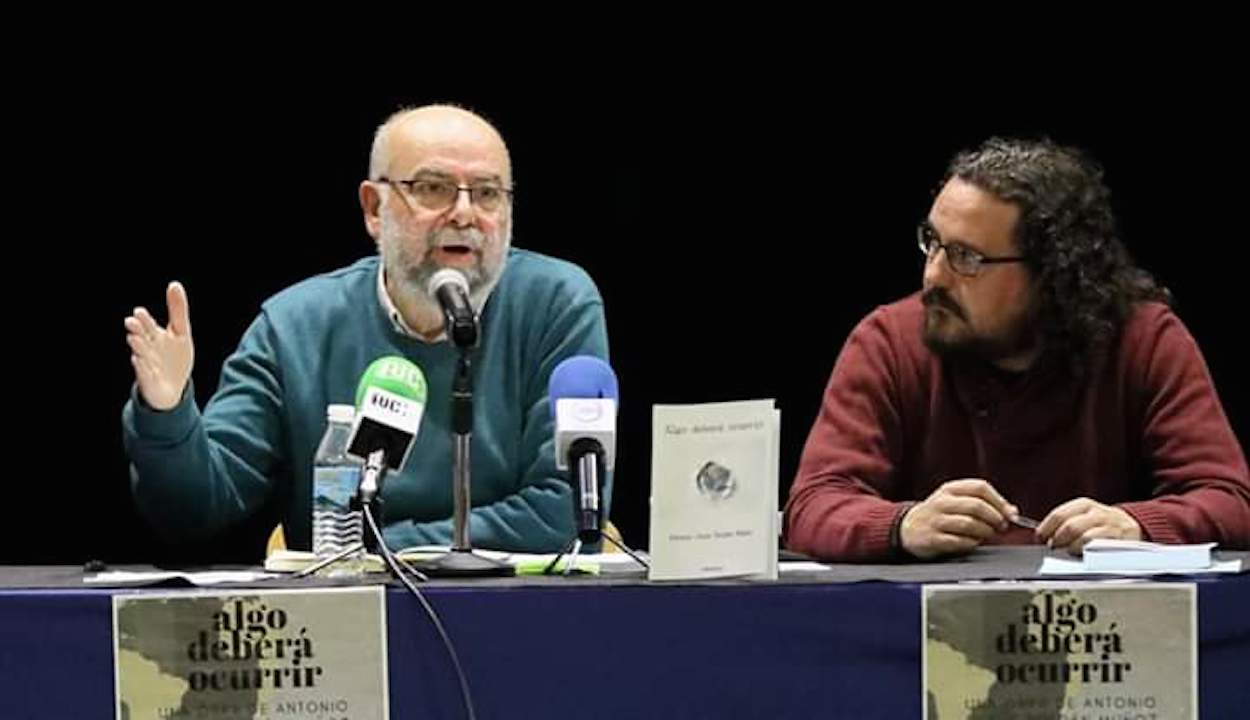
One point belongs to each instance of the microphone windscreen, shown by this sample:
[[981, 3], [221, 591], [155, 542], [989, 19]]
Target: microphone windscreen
[[582, 376], [444, 277], [394, 374]]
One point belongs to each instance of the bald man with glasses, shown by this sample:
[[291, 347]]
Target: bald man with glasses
[[438, 195]]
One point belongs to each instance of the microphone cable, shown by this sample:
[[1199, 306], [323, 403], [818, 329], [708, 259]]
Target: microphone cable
[[395, 565]]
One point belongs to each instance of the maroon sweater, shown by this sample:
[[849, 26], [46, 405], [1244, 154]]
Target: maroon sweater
[[1145, 431]]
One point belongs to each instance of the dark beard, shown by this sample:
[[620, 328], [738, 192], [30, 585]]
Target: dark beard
[[972, 348]]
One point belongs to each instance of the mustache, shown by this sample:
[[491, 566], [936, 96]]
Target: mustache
[[470, 238], [939, 297]]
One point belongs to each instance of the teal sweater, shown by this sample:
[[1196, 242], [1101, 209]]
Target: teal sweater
[[195, 473]]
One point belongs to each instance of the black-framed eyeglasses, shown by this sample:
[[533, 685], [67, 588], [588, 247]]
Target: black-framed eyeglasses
[[437, 194], [961, 258]]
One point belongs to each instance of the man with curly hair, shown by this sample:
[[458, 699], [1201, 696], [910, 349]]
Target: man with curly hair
[[1038, 373]]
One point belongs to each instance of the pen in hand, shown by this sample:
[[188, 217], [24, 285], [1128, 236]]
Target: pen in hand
[[1024, 522]]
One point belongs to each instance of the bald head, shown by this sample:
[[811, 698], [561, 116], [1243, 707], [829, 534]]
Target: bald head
[[418, 156], [411, 136]]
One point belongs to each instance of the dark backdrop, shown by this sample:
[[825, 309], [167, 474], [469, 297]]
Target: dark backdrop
[[736, 235]]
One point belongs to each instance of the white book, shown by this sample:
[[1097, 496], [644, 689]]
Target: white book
[[1103, 554], [714, 490]]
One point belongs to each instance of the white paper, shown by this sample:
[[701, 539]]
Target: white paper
[[1115, 555], [1063, 566], [619, 561], [287, 561], [213, 577], [803, 566]]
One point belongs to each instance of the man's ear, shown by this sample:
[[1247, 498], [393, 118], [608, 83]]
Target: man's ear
[[371, 206]]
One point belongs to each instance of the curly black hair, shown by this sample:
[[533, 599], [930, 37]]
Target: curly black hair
[[1067, 232]]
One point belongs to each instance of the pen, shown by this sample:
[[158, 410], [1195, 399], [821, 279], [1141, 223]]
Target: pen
[[1024, 522]]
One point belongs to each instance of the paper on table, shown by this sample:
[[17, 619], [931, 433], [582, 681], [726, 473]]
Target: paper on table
[[295, 560], [1108, 554], [1064, 566], [210, 577]]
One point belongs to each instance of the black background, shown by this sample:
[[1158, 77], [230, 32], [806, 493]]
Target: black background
[[737, 226]]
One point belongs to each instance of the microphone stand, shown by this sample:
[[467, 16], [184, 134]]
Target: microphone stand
[[574, 548], [368, 500], [588, 471], [461, 561]]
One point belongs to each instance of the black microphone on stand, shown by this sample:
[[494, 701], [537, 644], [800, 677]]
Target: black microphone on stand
[[390, 400], [583, 391], [450, 287]]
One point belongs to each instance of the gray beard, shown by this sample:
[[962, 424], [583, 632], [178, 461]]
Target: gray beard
[[411, 277]]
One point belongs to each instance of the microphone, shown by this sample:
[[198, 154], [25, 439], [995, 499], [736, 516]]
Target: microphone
[[451, 289], [583, 392], [390, 400]]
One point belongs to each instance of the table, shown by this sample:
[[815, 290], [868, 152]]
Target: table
[[844, 642]]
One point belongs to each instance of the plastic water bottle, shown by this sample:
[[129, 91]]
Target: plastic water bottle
[[336, 526]]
